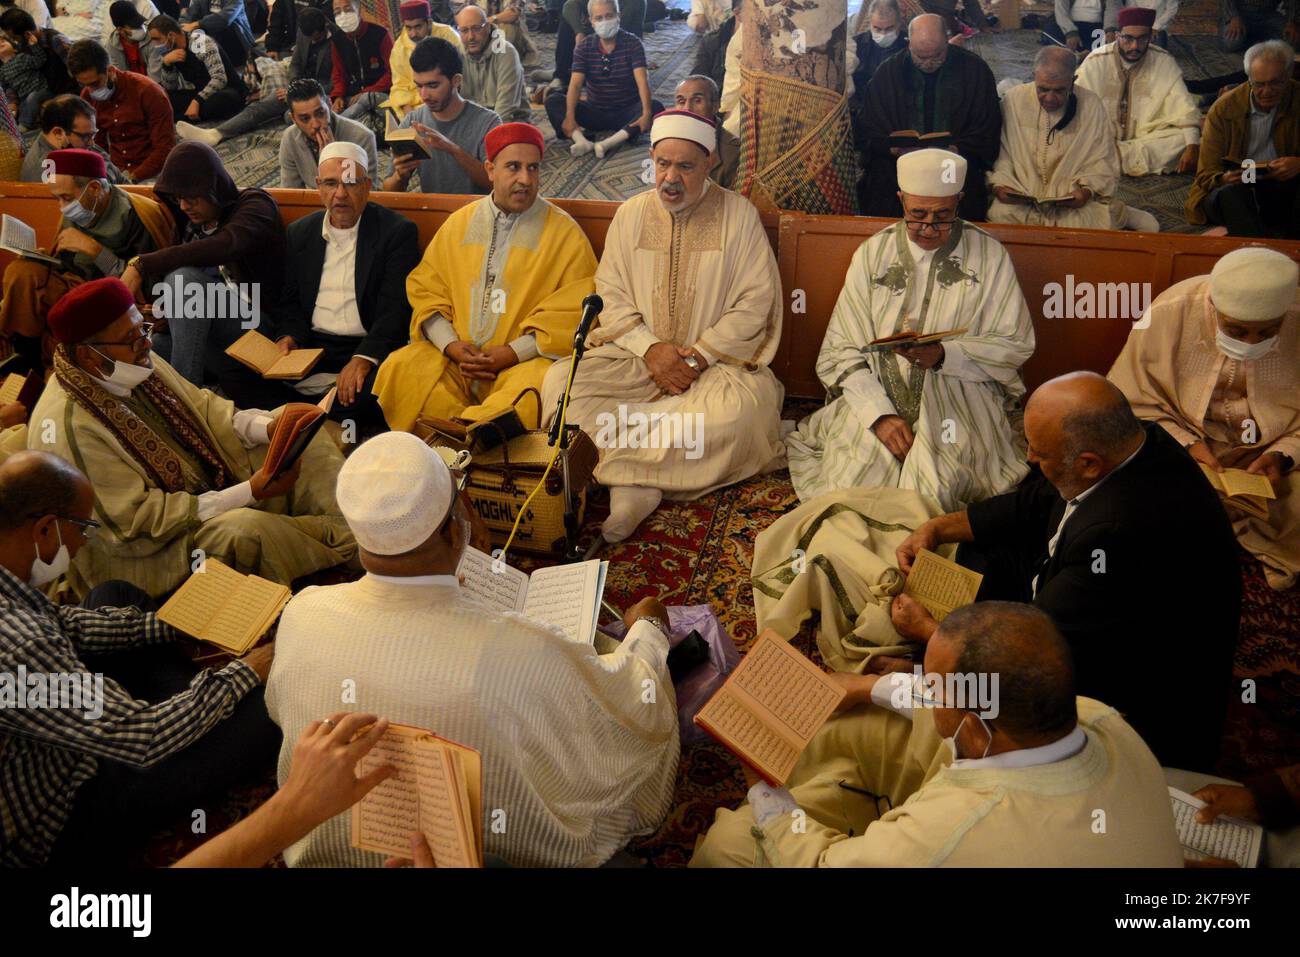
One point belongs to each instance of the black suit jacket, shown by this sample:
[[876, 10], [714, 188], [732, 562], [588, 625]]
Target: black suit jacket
[[1145, 584], [388, 248]]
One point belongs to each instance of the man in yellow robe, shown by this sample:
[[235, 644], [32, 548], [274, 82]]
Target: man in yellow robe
[[496, 299], [417, 24]]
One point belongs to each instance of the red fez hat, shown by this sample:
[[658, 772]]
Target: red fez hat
[[411, 9], [1137, 17], [78, 163], [84, 310], [499, 137]]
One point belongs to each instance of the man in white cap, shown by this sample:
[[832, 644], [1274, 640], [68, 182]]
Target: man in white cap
[[691, 320], [1216, 361], [578, 757], [934, 417], [344, 292]]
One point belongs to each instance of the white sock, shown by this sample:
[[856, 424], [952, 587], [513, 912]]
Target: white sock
[[1141, 220], [581, 144], [611, 143], [629, 506]]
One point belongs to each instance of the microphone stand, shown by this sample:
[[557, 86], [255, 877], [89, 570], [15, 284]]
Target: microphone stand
[[562, 436]]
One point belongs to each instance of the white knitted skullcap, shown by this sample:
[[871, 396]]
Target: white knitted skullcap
[[395, 492], [345, 151], [1254, 284], [684, 125], [931, 172]]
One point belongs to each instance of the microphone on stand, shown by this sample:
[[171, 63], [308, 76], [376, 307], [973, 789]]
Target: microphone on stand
[[591, 307]]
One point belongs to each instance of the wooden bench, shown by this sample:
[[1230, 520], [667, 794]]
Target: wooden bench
[[814, 252]]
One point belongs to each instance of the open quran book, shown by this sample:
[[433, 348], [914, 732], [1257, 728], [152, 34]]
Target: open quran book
[[1040, 202], [566, 596], [21, 388], [263, 356], [20, 239], [940, 584], [913, 139], [905, 340], [295, 427], [437, 791], [1248, 491], [1228, 838], [224, 607], [770, 707]]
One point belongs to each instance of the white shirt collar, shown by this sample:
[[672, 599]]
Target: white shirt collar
[[441, 581], [1066, 747], [334, 234]]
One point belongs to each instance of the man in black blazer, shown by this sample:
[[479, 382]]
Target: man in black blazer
[[1118, 536], [344, 292]]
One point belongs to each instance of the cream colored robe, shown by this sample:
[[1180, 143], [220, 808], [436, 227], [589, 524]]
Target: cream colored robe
[[943, 816], [1037, 161], [149, 536], [579, 749], [704, 278], [965, 416], [1169, 369], [1154, 116]]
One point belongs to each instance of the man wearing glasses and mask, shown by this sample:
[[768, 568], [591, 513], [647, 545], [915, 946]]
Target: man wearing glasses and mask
[[932, 417], [177, 471], [67, 122]]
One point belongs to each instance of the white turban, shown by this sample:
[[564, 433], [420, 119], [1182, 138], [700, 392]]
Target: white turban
[[344, 151], [395, 492], [931, 172], [684, 125], [1254, 284]]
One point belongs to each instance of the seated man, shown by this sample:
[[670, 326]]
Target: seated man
[[699, 95], [267, 82], [361, 51], [932, 418], [507, 18], [1243, 23], [102, 228], [581, 763], [313, 51], [176, 470], [1037, 761], [128, 42], [134, 107], [227, 254], [154, 739], [1057, 141], [417, 23], [200, 79], [608, 89], [451, 128], [345, 292], [226, 21], [493, 77], [1216, 362], [1165, 11], [706, 15], [1157, 121], [1079, 24], [693, 354], [315, 125], [883, 39], [67, 122], [494, 301], [1248, 178], [936, 88], [1109, 536]]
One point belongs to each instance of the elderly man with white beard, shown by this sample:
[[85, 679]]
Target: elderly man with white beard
[[692, 318]]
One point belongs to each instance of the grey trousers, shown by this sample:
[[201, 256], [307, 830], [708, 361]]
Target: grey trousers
[[252, 116]]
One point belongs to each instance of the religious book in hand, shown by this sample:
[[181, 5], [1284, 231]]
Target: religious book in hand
[[906, 340], [914, 140], [940, 585], [224, 607], [1261, 170], [1225, 838], [563, 596], [1039, 202], [295, 427], [262, 355], [20, 239], [770, 707], [25, 389], [405, 141], [437, 791], [1248, 491]]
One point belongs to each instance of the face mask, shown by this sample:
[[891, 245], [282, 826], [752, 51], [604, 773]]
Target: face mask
[[884, 39], [77, 214], [137, 35], [103, 93], [45, 572], [1243, 351], [126, 375], [952, 741], [606, 29], [348, 22]]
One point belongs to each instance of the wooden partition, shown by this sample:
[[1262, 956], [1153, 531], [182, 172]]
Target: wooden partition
[[814, 253]]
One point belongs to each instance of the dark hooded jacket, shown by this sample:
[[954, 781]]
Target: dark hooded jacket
[[250, 240]]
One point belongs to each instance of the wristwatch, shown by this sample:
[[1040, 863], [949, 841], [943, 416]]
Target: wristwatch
[[657, 622], [133, 263], [693, 362]]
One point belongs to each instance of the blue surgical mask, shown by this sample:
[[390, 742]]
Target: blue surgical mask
[[77, 214]]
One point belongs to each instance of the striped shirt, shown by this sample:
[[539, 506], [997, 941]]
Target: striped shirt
[[46, 751], [608, 81]]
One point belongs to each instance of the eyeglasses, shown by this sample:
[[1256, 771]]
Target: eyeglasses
[[474, 28], [334, 185], [1128, 41], [938, 225], [84, 136], [1267, 84], [135, 344], [87, 525]]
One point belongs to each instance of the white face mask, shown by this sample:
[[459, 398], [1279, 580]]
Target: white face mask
[[952, 741], [884, 39], [126, 375], [103, 93], [1243, 351], [77, 214], [606, 28], [348, 22], [137, 35], [45, 572]]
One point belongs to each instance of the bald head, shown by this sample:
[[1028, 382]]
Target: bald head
[[927, 42], [1080, 427], [38, 483]]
